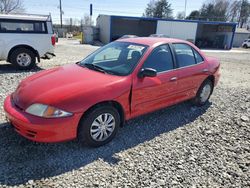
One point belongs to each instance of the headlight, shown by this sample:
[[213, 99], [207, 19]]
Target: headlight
[[46, 111]]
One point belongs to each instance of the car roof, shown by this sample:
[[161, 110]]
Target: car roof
[[25, 17], [151, 41]]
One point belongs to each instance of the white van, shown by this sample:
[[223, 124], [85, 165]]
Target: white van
[[25, 38]]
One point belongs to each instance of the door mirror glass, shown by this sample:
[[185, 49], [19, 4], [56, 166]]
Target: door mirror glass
[[147, 72]]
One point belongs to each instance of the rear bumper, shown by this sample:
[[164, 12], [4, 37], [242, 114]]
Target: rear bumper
[[41, 129]]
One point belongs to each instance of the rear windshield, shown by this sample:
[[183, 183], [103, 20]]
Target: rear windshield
[[22, 26]]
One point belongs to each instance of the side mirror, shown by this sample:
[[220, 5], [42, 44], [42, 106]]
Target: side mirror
[[147, 72]]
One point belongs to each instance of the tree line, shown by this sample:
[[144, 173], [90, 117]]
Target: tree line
[[211, 10], [11, 6]]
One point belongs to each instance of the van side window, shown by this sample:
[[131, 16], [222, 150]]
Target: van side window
[[22, 27]]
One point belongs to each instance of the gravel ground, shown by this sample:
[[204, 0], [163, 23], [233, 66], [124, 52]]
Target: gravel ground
[[182, 146]]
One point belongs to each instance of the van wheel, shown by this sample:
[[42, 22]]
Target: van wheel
[[99, 126], [245, 46], [203, 93], [23, 59]]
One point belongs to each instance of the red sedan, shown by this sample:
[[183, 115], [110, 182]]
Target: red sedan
[[91, 99]]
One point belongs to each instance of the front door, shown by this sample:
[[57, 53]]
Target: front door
[[152, 93]]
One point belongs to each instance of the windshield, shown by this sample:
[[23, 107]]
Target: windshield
[[118, 58]]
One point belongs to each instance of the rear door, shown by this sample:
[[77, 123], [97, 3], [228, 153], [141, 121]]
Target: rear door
[[152, 93], [192, 70]]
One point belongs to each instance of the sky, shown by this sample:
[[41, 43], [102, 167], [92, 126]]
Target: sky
[[78, 8]]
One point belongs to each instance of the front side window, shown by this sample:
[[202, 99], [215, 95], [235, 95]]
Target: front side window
[[184, 55], [160, 59], [118, 58], [22, 27]]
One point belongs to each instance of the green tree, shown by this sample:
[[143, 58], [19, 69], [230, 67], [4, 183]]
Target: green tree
[[180, 15], [233, 11], [159, 9], [215, 10], [244, 13], [194, 15]]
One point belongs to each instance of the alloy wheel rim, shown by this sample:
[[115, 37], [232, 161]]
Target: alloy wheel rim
[[23, 59], [205, 93], [102, 127]]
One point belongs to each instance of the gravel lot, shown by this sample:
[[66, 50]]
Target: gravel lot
[[182, 146]]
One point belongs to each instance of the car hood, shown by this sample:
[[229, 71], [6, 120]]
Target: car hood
[[54, 86]]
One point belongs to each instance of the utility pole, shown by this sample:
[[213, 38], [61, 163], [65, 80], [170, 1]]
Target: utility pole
[[61, 12], [90, 13], [185, 14]]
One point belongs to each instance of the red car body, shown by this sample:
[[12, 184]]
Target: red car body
[[77, 89]]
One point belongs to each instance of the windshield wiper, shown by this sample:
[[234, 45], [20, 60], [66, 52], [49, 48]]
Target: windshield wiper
[[94, 67], [97, 68]]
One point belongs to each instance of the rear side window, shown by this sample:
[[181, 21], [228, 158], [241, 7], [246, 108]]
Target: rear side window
[[198, 57], [22, 26], [184, 55], [160, 59]]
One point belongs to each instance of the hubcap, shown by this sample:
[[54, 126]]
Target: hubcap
[[23, 59], [102, 127], [206, 91]]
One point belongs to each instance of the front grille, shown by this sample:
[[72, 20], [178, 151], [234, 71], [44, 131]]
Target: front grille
[[31, 134], [28, 133]]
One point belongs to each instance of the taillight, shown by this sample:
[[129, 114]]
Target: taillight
[[53, 40]]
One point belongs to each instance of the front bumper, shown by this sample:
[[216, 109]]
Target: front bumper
[[41, 129]]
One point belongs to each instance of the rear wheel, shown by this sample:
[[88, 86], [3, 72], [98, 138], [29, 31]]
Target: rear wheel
[[23, 59], [245, 46], [99, 126], [203, 93]]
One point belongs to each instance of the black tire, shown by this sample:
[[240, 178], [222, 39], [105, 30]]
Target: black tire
[[14, 55], [198, 99], [245, 46], [84, 135]]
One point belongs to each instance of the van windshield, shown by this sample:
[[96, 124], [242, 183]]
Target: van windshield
[[118, 58]]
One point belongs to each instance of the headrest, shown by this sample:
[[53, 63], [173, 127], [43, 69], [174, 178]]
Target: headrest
[[136, 55]]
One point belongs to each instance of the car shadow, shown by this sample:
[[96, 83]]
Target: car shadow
[[9, 68], [22, 160]]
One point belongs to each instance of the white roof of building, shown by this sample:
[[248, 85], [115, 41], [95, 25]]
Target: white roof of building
[[25, 17]]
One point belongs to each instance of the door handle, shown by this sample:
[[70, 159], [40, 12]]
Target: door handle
[[173, 79], [205, 70]]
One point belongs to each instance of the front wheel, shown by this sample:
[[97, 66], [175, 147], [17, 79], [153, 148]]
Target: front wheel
[[203, 93], [23, 59], [245, 46], [99, 126]]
